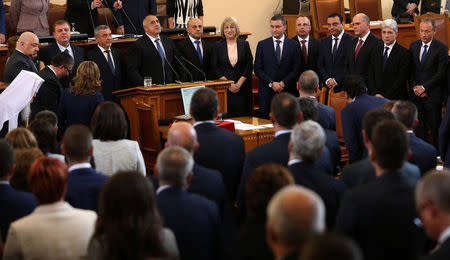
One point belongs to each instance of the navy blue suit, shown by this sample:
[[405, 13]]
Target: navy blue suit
[[444, 136], [326, 116], [83, 188], [329, 67], [267, 70], [332, 143], [14, 204], [312, 52], [443, 253], [423, 154], [136, 10], [194, 220], [352, 116]]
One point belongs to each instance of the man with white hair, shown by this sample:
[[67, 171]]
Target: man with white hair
[[389, 66], [294, 215], [305, 148]]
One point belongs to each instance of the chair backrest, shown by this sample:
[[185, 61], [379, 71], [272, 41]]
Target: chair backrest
[[338, 101], [149, 135], [442, 26], [320, 9], [321, 95], [371, 8]]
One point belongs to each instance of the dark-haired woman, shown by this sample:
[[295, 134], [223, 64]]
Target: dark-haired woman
[[45, 134], [130, 196], [112, 152]]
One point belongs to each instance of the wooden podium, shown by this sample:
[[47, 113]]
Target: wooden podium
[[145, 106]]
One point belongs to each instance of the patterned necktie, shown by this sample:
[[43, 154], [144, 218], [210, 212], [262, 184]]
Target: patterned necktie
[[160, 50], [385, 56], [199, 51], [110, 62], [358, 48], [424, 54], [304, 51], [278, 51]]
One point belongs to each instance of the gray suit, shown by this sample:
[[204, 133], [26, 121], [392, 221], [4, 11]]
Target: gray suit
[[15, 64]]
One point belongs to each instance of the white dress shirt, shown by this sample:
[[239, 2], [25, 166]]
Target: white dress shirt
[[154, 43], [281, 44], [106, 54], [195, 45], [62, 49]]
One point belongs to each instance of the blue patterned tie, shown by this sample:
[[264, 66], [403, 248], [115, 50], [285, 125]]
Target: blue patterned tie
[[110, 62], [278, 51], [199, 51], [424, 54], [160, 50]]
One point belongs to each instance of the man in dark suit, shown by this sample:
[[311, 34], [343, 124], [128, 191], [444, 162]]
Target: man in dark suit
[[151, 56], [110, 63], [444, 136], [187, 215], [219, 149], [433, 206], [84, 183], [62, 37], [131, 14], [389, 66], [363, 172], [309, 46], [195, 50], [427, 82], [423, 154], [380, 215], [333, 61], [359, 103], [405, 6], [83, 14], [362, 48], [277, 63], [22, 58], [50, 91], [14, 204], [305, 149]]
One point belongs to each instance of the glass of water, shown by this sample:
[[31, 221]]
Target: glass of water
[[147, 82]]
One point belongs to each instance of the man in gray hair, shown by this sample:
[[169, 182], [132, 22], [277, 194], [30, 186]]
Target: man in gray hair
[[187, 215], [305, 148], [294, 215], [389, 66]]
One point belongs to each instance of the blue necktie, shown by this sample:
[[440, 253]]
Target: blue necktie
[[199, 51], [424, 54], [110, 62], [160, 50], [385, 56], [278, 51]]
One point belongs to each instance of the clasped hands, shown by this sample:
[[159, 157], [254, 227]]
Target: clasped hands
[[419, 91], [278, 86]]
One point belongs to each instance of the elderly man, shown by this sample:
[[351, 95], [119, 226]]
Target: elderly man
[[433, 206], [309, 46], [294, 215], [389, 66]]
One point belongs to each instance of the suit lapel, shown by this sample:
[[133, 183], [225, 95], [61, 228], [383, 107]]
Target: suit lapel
[[285, 50], [430, 52]]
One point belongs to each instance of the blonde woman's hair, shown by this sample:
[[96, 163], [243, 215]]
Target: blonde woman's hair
[[234, 22], [87, 81]]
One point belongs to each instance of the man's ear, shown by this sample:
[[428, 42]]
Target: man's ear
[[272, 117], [298, 86], [189, 179], [299, 117], [91, 151], [290, 146], [63, 149], [408, 155], [11, 170], [415, 123], [155, 171], [197, 145]]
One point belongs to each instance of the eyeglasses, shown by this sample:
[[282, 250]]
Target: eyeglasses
[[229, 28]]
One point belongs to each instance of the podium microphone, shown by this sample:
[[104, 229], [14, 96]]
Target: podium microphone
[[112, 14], [182, 65], [129, 20], [197, 68], [168, 63], [90, 16]]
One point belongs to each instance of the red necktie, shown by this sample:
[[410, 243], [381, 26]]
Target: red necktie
[[305, 52], [358, 48]]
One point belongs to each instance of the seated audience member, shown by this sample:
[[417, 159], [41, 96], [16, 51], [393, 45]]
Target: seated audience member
[[38, 235], [444, 132], [14, 204], [84, 183], [48, 116], [130, 196], [331, 246], [112, 152], [433, 206], [200, 216], [21, 138], [305, 148], [219, 149], [47, 98], [265, 181], [380, 215], [362, 172], [77, 103], [359, 103], [24, 159], [294, 215], [423, 154], [45, 134]]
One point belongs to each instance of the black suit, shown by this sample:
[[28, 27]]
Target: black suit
[[312, 52], [251, 242], [444, 136], [144, 60], [431, 75], [16, 63], [80, 13], [46, 54], [111, 80], [136, 11], [188, 50], [399, 7], [389, 80], [443, 253], [360, 65], [49, 93]]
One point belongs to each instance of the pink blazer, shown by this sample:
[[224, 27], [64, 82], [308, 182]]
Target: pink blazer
[[30, 15]]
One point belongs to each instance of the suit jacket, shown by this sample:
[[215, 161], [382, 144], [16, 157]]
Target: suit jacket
[[144, 60], [389, 80], [111, 80], [444, 134], [83, 188], [326, 116], [209, 184], [362, 172], [423, 154], [251, 243], [332, 143], [329, 67], [221, 150], [14, 204], [80, 13], [352, 116], [441, 254], [136, 11], [431, 75], [16, 63], [200, 220], [30, 15], [49, 93], [189, 51], [379, 216], [360, 66], [2, 19], [66, 238], [47, 53], [399, 7], [313, 54]]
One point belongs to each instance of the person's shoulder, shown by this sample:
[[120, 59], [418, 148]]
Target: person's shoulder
[[18, 195], [440, 44], [206, 204], [265, 41], [415, 44]]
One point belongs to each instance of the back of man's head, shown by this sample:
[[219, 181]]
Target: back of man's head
[[48, 116], [294, 215], [308, 82], [373, 117], [308, 106], [308, 140], [390, 144], [62, 59], [182, 134], [405, 112], [331, 246], [354, 86], [434, 187], [7, 158], [77, 143], [174, 164], [285, 110], [204, 104]]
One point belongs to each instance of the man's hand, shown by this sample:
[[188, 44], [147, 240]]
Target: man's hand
[[234, 88], [419, 90], [120, 30], [41, 65], [277, 86], [96, 4], [117, 4], [411, 8], [331, 83]]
